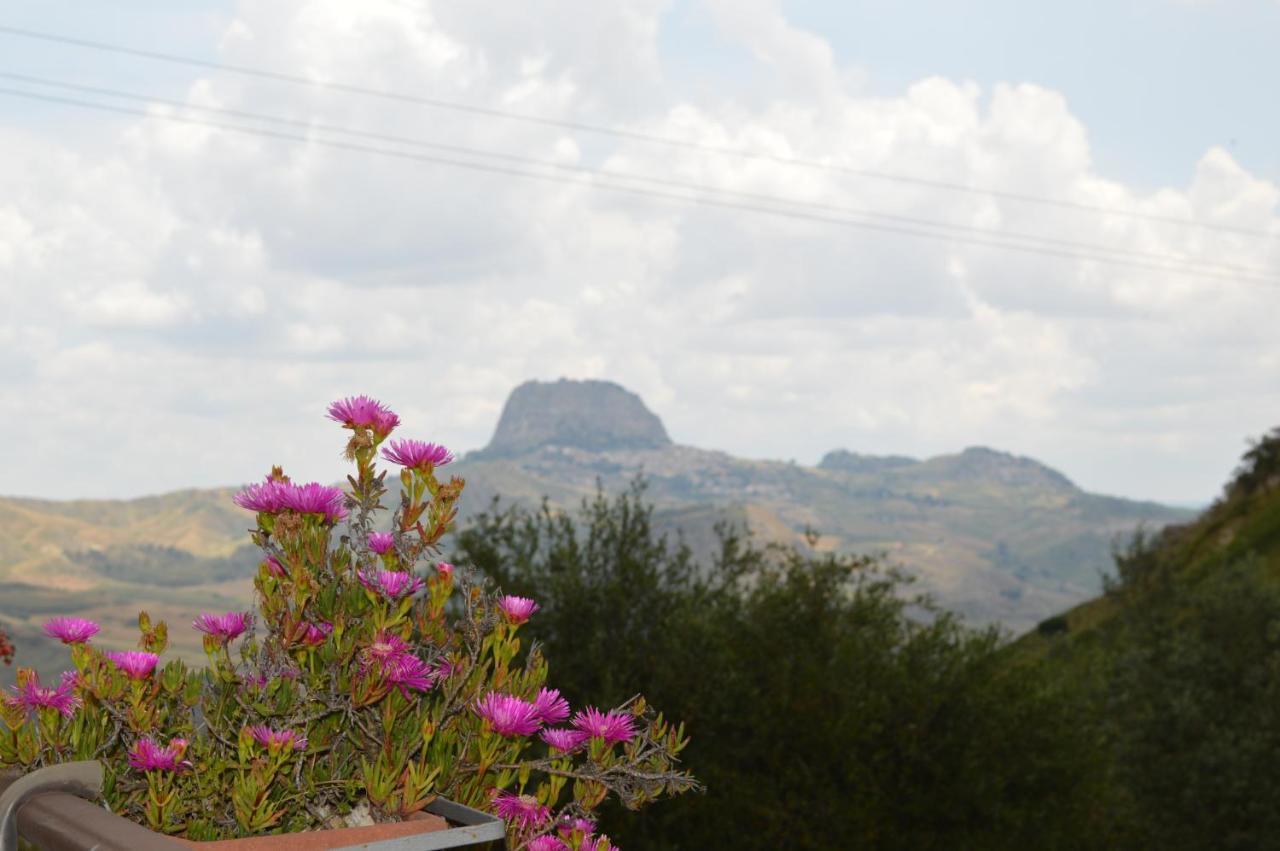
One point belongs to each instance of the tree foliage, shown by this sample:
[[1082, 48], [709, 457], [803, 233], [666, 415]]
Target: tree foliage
[[828, 707]]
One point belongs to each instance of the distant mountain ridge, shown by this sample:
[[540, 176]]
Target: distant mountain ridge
[[996, 537]]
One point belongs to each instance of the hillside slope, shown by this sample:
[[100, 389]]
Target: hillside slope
[[1171, 566], [998, 538], [1174, 673]]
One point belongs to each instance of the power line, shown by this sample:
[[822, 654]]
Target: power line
[[643, 179], [614, 132], [1176, 268]]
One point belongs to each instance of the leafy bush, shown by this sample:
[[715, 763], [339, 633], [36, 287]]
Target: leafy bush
[[827, 707], [1191, 709]]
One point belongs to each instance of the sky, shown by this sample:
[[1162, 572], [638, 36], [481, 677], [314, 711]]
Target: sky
[[891, 227]]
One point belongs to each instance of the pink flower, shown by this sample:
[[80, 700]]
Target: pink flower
[[517, 609], [275, 568], [417, 454], [277, 740], [254, 682], [380, 542], [70, 630], [547, 842], [391, 584], [385, 648], [30, 695], [316, 633], [226, 627], [444, 569], [409, 673], [611, 726], [444, 670], [363, 412], [136, 664], [521, 809], [147, 755], [315, 498], [265, 497], [564, 739], [508, 715], [566, 828], [552, 708], [273, 496]]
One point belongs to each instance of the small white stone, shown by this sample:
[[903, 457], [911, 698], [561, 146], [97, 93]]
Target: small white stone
[[360, 816]]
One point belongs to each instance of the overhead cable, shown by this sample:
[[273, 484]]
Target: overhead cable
[[313, 126], [620, 133], [613, 185]]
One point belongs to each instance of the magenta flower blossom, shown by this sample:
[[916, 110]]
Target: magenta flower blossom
[[391, 584], [30, 695], [148, 755], [585, 826], [277, 740], [417, 454], [517, 609], [315, 498], [612, 726], [552, 708], [226, 627], [316, 633], [564, 739], [444, 569], [444, 670], [380, 542], [275, 568], [70, 630], [524, 810], [265, 497], [136, 664], [508, 715], [253, 682], [389, 656], [273, 496], [363, 412], [547, 842], [409, 673], [385, 649]]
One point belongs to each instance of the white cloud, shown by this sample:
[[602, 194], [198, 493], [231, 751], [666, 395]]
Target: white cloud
[[225, 287]]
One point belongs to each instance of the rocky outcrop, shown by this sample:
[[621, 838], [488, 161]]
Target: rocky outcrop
[[590, 415]]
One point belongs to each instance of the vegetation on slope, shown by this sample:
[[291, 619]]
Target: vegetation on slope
[[1179, 664]]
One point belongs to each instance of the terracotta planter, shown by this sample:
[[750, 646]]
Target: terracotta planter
[[326, 839], [49, 809], [422, 832]]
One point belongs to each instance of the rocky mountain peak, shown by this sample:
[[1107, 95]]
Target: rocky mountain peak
[[981, 462], [590, 414]]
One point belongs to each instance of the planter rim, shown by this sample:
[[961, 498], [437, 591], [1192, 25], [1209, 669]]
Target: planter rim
[[55, 802]]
